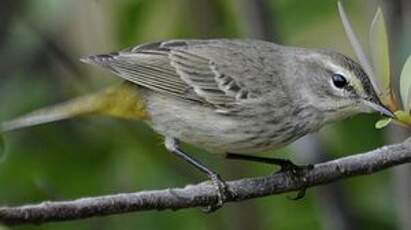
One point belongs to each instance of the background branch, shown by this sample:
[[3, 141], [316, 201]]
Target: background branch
[[203, 194]]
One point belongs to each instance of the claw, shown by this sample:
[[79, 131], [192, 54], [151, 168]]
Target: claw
[[223, 193], [295, 170], [296, 173]]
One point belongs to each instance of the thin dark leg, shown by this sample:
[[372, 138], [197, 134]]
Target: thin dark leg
[[172, 145], [285, 164]]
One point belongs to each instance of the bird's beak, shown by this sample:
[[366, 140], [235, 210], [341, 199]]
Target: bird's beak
[[380, 108]]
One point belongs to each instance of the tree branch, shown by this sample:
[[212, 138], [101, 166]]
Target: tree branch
[[203, 194]]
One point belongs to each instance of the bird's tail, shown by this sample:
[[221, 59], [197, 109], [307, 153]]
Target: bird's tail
[[121, 101]]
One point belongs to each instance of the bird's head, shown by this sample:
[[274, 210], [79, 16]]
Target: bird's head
[[337, 86]]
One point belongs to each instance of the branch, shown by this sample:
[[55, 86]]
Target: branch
[[203, 194]]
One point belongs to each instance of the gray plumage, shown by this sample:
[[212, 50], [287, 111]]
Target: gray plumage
[[241, 96]]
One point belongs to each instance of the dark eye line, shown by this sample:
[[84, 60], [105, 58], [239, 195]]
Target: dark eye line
[[350, 89]]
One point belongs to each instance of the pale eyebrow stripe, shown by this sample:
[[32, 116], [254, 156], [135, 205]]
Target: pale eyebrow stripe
[[350, 75]]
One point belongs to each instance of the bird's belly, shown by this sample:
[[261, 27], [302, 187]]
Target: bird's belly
[[194, 124], [203, 127]]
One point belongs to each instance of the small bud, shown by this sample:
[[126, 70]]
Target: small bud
[[382, 123]]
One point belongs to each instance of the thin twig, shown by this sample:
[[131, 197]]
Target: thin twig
[[203, 194]]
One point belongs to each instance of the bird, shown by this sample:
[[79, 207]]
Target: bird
[[236, 97]]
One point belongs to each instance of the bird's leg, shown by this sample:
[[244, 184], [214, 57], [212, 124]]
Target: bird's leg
[[296, 171], [172, 145], [285, 164]]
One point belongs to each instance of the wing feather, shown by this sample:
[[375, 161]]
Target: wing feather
[[171, 68], [201, 75]]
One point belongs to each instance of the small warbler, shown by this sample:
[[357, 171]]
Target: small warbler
[[235, 97]]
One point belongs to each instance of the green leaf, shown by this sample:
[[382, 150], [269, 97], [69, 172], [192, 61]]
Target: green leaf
[[382, 123], [405, 85], [378, 41], [403, 117]]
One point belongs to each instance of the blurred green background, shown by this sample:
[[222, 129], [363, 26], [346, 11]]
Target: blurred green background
[[40, 44]]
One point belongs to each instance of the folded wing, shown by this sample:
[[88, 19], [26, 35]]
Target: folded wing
[[172, 68]]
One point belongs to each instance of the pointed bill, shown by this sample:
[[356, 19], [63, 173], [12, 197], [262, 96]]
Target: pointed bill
[[405, 85], [380, 53], [378, 107], [359, 51]]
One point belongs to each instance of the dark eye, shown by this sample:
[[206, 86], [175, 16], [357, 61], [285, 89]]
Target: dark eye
[[339, 81]]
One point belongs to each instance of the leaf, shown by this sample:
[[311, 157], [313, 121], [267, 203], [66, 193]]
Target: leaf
[[356, 45], [382, 123], [403, 117], [405, 85], [378, 41]]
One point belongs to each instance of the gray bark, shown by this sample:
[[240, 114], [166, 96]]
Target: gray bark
[[204, 194]]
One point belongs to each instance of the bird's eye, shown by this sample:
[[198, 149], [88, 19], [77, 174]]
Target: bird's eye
[[339, 81]]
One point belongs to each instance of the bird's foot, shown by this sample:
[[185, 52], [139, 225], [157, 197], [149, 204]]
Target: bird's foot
[[295, 170], [297, 173], [223, 193]]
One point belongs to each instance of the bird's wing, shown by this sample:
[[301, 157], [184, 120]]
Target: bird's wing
[[176, 68]]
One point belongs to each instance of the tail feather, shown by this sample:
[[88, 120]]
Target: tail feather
[[69, 109], [121, 101]]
